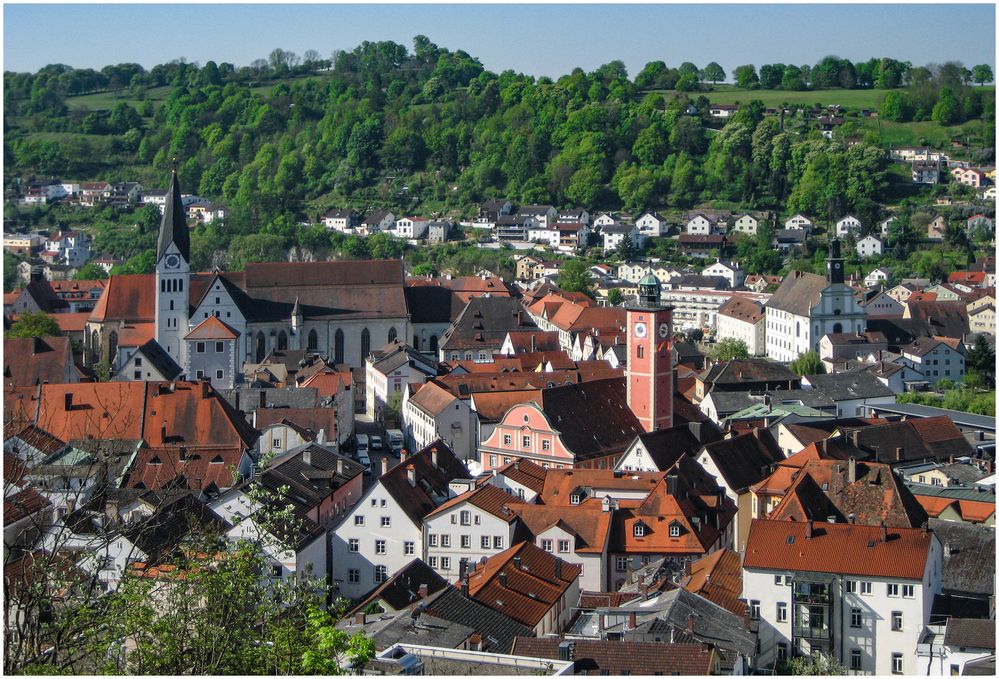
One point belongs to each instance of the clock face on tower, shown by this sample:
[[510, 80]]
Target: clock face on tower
[[663, 330], [640, 330], [172, 261]]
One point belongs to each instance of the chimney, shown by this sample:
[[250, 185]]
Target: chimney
[[532, 343], [464, 583], [360, 619], [884, 532], [808, 530], [206, 388], [502, 579], [403, 454], [852, 518], [671, 483], [632, 620], [384, 465], [433, 457], [339, 466], [163, 431], [855, 438], [946, 550], [307, 456], [851, 474], [183, 453], [475, 641], [69, 401], [423, 591], [645, 591], [925, 527], [566, 651], [410, 474], [516, 562], [690, 623]]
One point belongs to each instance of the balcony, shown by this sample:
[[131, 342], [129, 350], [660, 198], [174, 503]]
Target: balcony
[[812, 632]]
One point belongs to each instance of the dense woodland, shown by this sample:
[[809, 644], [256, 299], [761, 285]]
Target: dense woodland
[[431, 130]]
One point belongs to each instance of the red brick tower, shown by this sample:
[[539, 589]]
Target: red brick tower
[[650, 357]]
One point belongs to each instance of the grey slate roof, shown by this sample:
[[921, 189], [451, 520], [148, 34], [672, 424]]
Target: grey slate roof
[[847, 386], [728, 402], [173, 227], [971, 566], [403, 588], [971, 633], [745, 459], [798, 293], [497, 629], [159, 359]]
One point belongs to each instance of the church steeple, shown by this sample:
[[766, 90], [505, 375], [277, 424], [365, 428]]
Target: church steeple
[[834, 263], [173, 227]]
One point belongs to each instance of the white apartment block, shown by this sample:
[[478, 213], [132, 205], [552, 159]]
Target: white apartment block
[[730, 271], [847, 224], [744, 320], [861, 594], [411, 227]]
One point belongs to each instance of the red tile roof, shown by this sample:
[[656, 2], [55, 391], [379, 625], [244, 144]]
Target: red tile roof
[[525, 472], [846, 549], [32, 360], [201, 467], [718, 578], [524, 592], [23, 504], [212, 329]]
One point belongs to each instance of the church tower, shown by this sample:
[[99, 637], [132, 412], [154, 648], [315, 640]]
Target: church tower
[[834, 263], [650, 357], [173, 275]]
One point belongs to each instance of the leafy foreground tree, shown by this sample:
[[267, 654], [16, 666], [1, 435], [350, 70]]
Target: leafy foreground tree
[[34, 324], [574, 276], [615, 296], [729, 349], [211, 610], [816, 664], [808, 363], [981, 359]]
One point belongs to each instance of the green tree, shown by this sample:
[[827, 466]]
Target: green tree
[[90, 272], [34, 324], [981, 74], [615, 297], [713, 73], [895, 107], [947, 110], [981, 358], [807, 363], [574, 276], [9, 271], [746, 78], [816, 664], [729, 349]]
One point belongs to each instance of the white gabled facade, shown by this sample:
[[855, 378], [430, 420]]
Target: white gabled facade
[[747, 224], [752, 333], [464, 531], [366, 551], [799, 221], [730, 271], [847, 224], [411, 227], [870, 246], [651, 225], [700, 225]]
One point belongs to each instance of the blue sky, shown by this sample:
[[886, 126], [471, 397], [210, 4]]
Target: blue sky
[[535, 39]]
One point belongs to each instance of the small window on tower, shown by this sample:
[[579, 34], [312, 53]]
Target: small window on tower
[[641, 351]]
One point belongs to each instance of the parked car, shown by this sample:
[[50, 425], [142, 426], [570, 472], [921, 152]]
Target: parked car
[[363, 458], [376, 442]]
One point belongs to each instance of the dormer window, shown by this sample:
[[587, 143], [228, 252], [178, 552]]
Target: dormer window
[[575, 499], [674, 530], [640, 530]]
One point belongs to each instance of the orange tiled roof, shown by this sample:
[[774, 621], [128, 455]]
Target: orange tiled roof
[[842, 548], [212, 329], [718, 578], [488, 498]]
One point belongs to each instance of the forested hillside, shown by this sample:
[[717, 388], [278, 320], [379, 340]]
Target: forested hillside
[[431, 130]]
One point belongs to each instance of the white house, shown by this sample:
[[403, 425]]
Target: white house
[[937, 358], [547, 235], [604, 219], [878, 276], [806, 307], [411, 227], [861, 594], [799, 221], [478, 522], [847, 224], [388, 370], [701, 225], [730, 271], [885, 224], [747, 224], [341, 220], [870, 246], [574, 216], [614, 235], [383, 532], [652, 225], [544, 215], [742, 319], [433, 413]]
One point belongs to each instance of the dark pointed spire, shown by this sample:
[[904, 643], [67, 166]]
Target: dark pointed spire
[[173, 227]]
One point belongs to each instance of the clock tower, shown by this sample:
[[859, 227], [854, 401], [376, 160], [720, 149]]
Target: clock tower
[[650, 357], [173, 275], [834, 264]]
